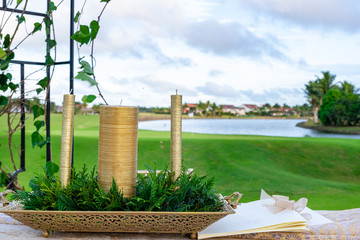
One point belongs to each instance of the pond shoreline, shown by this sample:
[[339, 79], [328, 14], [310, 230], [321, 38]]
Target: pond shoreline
[[153, 117], [327, 129]]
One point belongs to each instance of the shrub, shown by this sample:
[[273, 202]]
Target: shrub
[[340, 109], [154, 192]]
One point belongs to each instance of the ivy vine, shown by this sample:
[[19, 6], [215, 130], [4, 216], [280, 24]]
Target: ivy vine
[[86, 34]]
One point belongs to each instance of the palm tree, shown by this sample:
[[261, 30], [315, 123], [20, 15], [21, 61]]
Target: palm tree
[[202, 107], [215, 109], [348, 88], [326, 83], [207, 104], [313, 93]]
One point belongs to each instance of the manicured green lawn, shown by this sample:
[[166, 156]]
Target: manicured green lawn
[[326, 171]]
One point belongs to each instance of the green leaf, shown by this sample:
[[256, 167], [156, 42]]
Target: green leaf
[[10, 56], [39, 124], [3, 100], [85, 77], [76, 18], [88, 98], [51, 168], [52, 6], [2, 54], [20, 19], [7, 41], [9, 76], [52, 43], [18, 2], [48, 23], [48, 60], [4, 63], [13, 86], [37, 27], [37, 111], [94, 26], [43, 82], [3, 82], [4, 87], [4, 180], [86, 67], [105, 0], [39, 90], [82, 36], [37, 139]]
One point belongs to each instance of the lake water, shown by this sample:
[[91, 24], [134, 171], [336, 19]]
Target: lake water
[[265, 127]]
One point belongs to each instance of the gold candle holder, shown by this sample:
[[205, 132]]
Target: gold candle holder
[[118, 142], [176, 111], [67, 138]]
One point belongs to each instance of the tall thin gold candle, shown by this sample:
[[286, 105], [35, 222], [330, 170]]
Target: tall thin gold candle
[[67, 138], [118, 142], [176, 111]]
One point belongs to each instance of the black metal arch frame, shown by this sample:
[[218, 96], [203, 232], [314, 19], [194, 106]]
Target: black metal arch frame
[[47, 99]]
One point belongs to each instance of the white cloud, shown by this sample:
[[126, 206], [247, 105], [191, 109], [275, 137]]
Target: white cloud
[[131, 28], [215, 73], [219, 90], [165, 87], [329, 14], [230, 54], [228, 94], [230, 39]]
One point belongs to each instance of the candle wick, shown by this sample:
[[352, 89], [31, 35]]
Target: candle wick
[[176, 92], [120, 102]]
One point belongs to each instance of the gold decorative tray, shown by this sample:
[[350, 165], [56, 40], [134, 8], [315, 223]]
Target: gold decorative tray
[[118, 221]]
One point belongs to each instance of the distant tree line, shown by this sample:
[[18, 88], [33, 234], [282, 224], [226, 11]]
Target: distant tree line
[[211, 109], [334, 104]]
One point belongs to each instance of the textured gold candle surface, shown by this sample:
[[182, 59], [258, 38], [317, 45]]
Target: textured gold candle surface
[[118, 143], [176, 111], [67, 138]]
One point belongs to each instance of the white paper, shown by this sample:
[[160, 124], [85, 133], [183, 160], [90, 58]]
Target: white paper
[[258, 216], [316, 218], [254, 217]]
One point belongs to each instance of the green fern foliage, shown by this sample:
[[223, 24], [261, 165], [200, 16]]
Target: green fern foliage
[[154, 192], [45, 188]]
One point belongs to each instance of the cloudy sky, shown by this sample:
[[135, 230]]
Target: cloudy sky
[[225, 51]]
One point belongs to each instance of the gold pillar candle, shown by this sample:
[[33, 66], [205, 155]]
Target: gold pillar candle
[[67, 138], [118, 142], [176, 111]]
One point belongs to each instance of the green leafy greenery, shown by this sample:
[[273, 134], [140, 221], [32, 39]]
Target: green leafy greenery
[[154, 192], [76, 18], [4, 179], [340, 109], [43, 83], [86, 34], [37, 139], [88, 98], [333, 104], [9, 99], [7, 54], [20, 19], [37, 27], [52, 6]]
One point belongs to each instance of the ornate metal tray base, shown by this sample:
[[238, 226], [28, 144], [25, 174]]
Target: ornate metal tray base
[[120, 221]]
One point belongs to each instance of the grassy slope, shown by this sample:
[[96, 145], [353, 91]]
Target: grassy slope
[[327, 171]]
